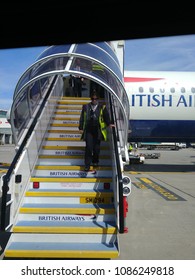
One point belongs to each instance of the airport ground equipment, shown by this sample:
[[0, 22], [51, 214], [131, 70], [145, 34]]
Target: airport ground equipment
[[136, 158], [151, 155], [162, 145]]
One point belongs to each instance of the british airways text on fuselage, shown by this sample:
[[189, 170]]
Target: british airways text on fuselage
[[161, 100], [162, 105], [174, 90]]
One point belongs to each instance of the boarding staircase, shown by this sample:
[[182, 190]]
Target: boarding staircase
[[65, 212]]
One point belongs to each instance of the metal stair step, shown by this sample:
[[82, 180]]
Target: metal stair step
[[80, 246], [70, 113], [70, 171], [51, 208], [69, 185], [64, 125], [64, 133], [68, 196], [92, 227], [72, 179], [65, 118], [94, 193], [69, 150], [69, 106], [80, 143], [64, 107], [69, 193], [73, 102], [68, 138], [65, 160], [67, 217], [75, 160]]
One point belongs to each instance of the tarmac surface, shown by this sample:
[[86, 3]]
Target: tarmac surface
[[161, 206]]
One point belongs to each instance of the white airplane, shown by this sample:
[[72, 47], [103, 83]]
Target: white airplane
[[162, 106]]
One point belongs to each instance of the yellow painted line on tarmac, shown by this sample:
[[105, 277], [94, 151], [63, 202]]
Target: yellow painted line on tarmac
[[139, 185], [161, 190]]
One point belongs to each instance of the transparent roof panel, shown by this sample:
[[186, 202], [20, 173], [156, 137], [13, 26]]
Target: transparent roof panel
[[54, 50], [99, 55], [107, 47], [55, 58]]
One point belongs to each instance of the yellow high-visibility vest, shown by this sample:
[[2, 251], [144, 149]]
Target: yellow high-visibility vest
[[97, 67], [103, 126]]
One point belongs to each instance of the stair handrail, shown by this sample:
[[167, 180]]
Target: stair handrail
[[119, 171], [6, 178]]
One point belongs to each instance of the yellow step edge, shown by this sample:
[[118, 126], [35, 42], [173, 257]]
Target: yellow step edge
[[62, 156], [56, 147], [71, 156], [71, 102], [73, 97], [66, 102], [75, 180], [66, 113], [63, 139], [62, 106], [64, 131], [99, 211], [77, 254], [65, 119], [64, 124], [42, 229], [66, 167], [70, 194]]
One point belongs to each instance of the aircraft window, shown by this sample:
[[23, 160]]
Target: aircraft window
[[151, 89], [162, 90], [183, 90], [193, 90], [141, 89], [172, 90]]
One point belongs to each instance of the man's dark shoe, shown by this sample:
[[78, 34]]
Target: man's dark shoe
[[95, 164], [87, 168]]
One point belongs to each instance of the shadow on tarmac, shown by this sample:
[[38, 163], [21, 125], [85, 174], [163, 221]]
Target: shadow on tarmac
[[160, 167]]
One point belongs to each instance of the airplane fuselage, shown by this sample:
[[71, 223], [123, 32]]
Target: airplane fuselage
[[162, 105]]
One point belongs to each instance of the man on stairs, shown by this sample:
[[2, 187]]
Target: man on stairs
[[93, 123]]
